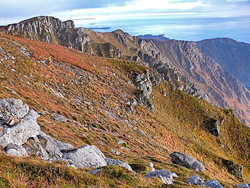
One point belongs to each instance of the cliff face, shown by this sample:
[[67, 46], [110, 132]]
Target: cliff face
[[179, 62], [52, 30]]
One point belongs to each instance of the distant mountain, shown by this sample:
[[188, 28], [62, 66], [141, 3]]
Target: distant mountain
[[149, 36], [155, 38], [232, 56]]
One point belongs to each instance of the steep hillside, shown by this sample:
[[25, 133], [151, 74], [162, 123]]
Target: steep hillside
[[125, 109], [233, 56], [224, 90]]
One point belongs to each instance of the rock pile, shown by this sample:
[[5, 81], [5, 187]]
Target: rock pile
[[20, 135]]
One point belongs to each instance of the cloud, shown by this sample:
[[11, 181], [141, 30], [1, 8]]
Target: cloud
[[237, 0], [130, 9]]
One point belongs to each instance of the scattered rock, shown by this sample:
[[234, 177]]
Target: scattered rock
[[26, 138], [121, 142], [119, 163], [213, 183], [151, 166], [186, 161], [165, 175], [60, 118], [95, 171], [115, 152], [245, 185], [195, 180]]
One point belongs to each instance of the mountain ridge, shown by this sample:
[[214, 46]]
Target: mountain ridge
[[118, 44]]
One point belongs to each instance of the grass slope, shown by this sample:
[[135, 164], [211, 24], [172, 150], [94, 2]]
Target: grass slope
[[93, 92]]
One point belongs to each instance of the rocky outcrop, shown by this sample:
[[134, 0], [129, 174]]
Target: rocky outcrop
[[213, 126], [143, 81], [24, 137], [165, 175], [186, 161], [18, 124], [233, 168]]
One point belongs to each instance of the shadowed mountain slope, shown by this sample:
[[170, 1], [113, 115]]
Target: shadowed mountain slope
[[221, 87], [233, 56]]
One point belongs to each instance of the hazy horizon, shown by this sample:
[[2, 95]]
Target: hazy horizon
[[191, 20]]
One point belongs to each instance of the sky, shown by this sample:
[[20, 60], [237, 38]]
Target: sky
[[191, 20]]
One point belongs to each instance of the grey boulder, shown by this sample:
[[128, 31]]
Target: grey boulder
[[195, 180], [186, 161], [165, 175], [119, 163], [85, 156], [213, 183]]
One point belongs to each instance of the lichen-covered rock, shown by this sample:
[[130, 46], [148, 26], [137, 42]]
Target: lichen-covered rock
[[187, 161], [85, 156]]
